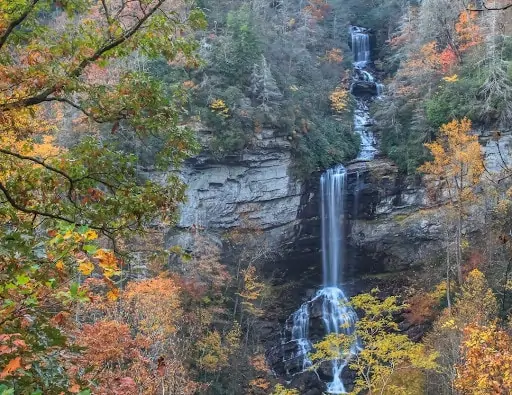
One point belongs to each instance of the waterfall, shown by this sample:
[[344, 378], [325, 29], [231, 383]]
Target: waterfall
[[363, 74], [360, 46], [332, 189], [329, 306], [336, 314], [300, 333]]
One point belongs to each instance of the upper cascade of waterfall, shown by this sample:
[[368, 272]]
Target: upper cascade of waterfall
[[361, 49], [366, 82]]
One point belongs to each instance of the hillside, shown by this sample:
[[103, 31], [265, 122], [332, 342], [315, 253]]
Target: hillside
[[256, 197]]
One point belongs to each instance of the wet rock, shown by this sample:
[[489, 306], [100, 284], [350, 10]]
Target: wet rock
[[364, 89], [308, 383]]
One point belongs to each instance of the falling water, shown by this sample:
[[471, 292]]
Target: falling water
[[332, 189], [360, 46], [300, 333], [337, 316], [361, 52]]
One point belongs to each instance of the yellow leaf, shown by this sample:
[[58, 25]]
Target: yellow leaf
[[113, 294], [59, 265], [85, 267], [67, 235], [90, 235], [452, 78]]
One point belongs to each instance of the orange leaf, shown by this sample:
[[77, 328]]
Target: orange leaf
[[59, 265], [113, 294], [13, 365]]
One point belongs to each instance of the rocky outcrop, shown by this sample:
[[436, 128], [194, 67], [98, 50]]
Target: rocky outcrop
[[254, 187], [390, 218], [365, 89], [251, 190]]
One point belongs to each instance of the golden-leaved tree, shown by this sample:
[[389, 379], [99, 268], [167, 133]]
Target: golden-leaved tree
[[475, 306], [456, 167], [58, 204], [486, 363], [389, 362]]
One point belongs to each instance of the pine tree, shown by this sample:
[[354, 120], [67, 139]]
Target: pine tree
[[264, 86]]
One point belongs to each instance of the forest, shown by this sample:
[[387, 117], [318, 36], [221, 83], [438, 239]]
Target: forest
[[256, 197]]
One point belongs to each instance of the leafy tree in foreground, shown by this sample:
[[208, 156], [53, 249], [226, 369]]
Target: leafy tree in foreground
[[389, 363], [474, 305], [56, 202]]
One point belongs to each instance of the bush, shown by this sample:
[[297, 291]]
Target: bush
[[327, 142], [454, 100]]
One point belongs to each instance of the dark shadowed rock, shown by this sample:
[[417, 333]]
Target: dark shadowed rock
[[308, 383], [364, 89]]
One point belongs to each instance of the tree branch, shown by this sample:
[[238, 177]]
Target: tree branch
[[38, 161], [81, 109], [5, 35], [109, 46], [43, 96], [27, 210]]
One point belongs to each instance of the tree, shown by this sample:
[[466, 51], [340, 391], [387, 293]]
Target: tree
[[339, 99], [264, 87], [486, 363], [456, 166], [55, 200], [496, 91], [475, 304], [386, 353], [280, 390]]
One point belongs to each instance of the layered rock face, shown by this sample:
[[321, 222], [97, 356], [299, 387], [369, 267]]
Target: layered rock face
[[390, 219], [254, 187], [252, 190]]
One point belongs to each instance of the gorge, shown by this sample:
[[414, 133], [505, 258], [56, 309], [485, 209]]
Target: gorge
[[259, 197]]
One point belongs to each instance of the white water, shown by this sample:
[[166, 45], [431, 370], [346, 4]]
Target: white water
[[362, 121], [332, 188], [360, 46], [337, 316]]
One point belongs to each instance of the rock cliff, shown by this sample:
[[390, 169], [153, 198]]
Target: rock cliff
[[393, 221]]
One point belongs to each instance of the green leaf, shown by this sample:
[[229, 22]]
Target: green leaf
[[73, 289], [90, 249], [22, 279]]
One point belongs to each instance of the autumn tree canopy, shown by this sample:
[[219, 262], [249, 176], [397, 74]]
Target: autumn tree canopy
[[57, 200]]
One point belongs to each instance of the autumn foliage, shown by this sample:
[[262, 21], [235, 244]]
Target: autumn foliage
[[486, 366], [339, 100]]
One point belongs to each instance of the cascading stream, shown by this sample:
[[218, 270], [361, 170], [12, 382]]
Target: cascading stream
[[361, 51], [336, 315]]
